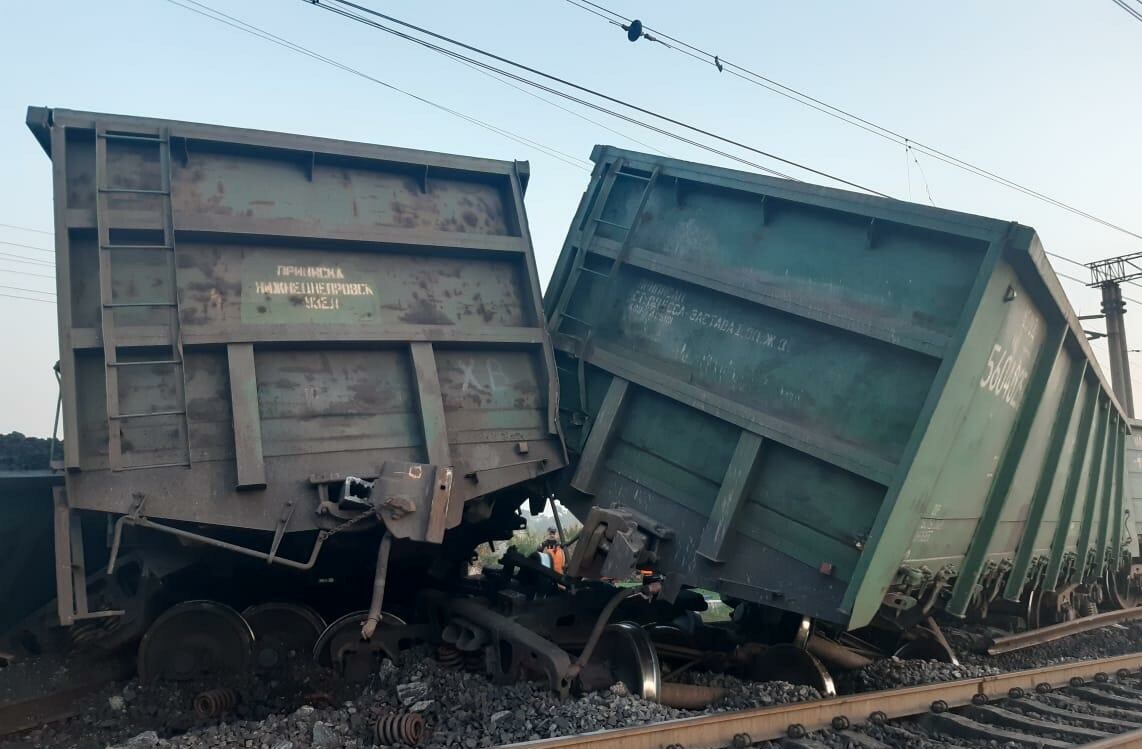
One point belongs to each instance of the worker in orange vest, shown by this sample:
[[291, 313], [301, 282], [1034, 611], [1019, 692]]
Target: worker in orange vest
[[555, 552]]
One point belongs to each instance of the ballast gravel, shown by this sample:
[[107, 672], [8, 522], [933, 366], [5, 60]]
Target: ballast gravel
[[461, 710], [309, 708], [892, 673]]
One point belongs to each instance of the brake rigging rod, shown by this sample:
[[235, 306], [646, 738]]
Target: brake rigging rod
[[374, 617]]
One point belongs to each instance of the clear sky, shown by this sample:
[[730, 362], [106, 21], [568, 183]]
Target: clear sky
[[1044, 92]]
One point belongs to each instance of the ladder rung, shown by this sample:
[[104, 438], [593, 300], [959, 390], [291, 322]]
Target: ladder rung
[[125, 136], [612, 223], [134, 190], [184, 464], [114, 305], [136, 247], [633, 176], [151, 363], [147, 414]]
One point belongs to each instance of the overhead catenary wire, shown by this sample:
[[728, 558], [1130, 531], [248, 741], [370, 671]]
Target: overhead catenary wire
[[26, 260], [26, 273], [789, 92], [568, 110], [325, 4], [1065, 258], [468, 60], [1060, 274], [1137, 13], [27, 298], [924, 177], [910, 146], [27, 228], [557, 105], [1085, 267], [328, 5], [253, 30], [28, 246], [27, 291], [1083, 283]]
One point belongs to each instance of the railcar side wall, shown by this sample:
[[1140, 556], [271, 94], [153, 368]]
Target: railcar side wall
[[813, 388], [246, 316]]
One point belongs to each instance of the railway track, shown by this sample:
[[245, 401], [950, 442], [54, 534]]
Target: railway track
[[63, 702], [1089, 703], [1094, 703]]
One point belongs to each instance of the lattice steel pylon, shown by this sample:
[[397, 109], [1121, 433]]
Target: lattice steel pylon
[[1109, 275]]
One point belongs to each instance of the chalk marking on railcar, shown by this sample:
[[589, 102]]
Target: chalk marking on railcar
[[656, 302], [494, 369]]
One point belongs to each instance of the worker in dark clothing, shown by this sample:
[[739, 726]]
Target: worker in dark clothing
[[554, 551]]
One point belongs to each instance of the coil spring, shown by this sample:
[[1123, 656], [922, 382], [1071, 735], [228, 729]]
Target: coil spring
[[449, 657], [84, 634], [402, 728], [1090, 608], [474, 662], [88, 633], [215, 702]]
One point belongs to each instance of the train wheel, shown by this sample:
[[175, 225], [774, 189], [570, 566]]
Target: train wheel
[[281, 628], [1056, 607], [195, 639], [627, 652], [794, 665], [341, 647], [1123, 588], [1031, 611]]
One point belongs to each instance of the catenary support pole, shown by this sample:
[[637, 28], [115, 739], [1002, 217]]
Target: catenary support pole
[[1115, 310]]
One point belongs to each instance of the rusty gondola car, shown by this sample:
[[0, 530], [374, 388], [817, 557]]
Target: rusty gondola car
[[288, 349], [831, 405]]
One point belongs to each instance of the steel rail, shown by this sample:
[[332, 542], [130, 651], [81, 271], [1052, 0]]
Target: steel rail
[[767, 723], [36, 711], [59, 704], [1054, 632], [1130, 739]]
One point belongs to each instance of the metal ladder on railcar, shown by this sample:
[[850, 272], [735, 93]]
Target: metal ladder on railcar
[[114, 343], [595, 219], [579, 266]]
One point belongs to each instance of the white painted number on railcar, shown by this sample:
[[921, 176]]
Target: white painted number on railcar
[[1008, 364], [319, 287], [929, 525], [1006, 375]]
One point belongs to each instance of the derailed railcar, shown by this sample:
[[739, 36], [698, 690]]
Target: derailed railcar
[[830, 404], [271, 344]]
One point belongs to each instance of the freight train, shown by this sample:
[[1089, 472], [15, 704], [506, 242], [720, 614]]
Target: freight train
[[303, 379]]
